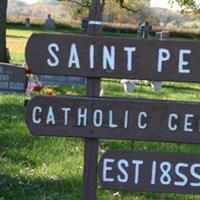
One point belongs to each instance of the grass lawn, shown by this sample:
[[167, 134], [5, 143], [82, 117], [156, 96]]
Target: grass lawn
[[49, 168], [16, 41]]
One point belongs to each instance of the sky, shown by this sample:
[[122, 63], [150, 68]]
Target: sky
[[30, 1], [164, 4]]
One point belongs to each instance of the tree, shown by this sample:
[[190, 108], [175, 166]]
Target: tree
[[129, 5], [135, 6], [81, 7], [3, 9], [188, 5]]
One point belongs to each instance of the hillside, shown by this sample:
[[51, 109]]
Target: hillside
[[66, 12], [39, 10]]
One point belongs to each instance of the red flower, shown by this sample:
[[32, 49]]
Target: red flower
[[37, 87], [28, 70]]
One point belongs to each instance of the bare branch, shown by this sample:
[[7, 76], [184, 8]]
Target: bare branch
[[84, 5], [103, 3]]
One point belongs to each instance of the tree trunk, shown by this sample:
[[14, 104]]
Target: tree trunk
[[3, 11]]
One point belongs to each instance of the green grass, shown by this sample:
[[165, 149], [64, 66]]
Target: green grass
[[170, 91], [50, 168], [17, 37], [34, 167]]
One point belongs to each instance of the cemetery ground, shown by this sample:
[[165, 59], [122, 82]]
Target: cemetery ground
[[49, 168]]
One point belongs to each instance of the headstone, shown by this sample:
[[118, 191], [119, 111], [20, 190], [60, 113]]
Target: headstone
[[47, 80], [12, 79], [129, 84], [27, 22], [146, 30], [143, 30], [165, 34], [50, 23], [7, 55], [162, 35], [84, 24], [156, 85], [139, 30]]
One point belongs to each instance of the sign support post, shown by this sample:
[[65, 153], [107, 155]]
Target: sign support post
[[93, 90], [118, 118]]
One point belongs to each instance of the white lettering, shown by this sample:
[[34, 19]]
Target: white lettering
[[163, 55], [66, 112], [181, 175], [50, 116], [120, 164], [129, 51], [34, 113], [192, 171], [74, 59], [187, 123], [137, 164], [182, 62], [55, 61], [98, 118], [111, 123], [165, 177], [109, 57], [106, 168], [126, 119], [82, 116], [140, 124], [172, 127], [153, 173]]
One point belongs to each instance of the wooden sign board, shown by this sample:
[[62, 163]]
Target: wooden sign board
[[113, 57], [12, 79], [114, 118], [95, 57], [150, 172]]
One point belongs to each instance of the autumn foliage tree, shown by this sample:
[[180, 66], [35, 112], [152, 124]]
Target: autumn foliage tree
[[132, 5], [188, 5]]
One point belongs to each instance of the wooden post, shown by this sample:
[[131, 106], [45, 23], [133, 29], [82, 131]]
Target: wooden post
[[93, 90], [3, 11]]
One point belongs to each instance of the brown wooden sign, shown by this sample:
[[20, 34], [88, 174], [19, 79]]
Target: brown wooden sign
[[95, 56], [150, 172], [12, 79], [114, 118]]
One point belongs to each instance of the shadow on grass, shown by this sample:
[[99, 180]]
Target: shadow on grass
[[45, 188], [20, 152], [15, 36]]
